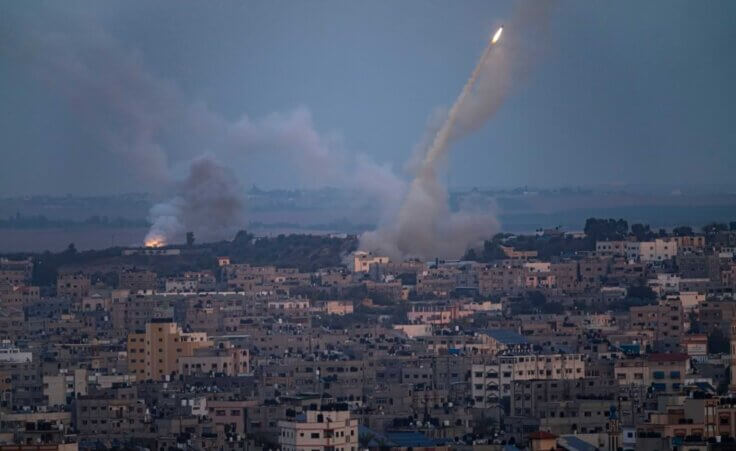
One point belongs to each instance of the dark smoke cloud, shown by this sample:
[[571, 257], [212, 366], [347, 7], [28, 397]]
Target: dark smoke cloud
[[209, 202], [149, 128]]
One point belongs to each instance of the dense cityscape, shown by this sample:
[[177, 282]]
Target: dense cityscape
[[617, 337], [340, 225]]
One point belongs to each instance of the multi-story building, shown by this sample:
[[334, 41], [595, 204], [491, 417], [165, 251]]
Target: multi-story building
[[329, 428], [502, 278], [492, 381], [657, 250], [137, 280], [74, 286], [226, 359], [362, 261], [156, 353], [114, 413], [665, 320], [15, 272], [663, 372], [699, 267], [690, 243]]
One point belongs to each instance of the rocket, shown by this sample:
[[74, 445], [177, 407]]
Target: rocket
[[497, 35]]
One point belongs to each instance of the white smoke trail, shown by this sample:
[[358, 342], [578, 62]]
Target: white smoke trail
[[441, 140], [425, 226]]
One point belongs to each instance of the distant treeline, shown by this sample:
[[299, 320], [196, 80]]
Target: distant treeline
[[303, 251], [42, 222]]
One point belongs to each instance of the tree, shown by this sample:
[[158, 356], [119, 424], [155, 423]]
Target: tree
[[695, 326], [606, 229], [641, 292], [682, 231], [714, 227], [470, 255], [243, 237], [718, 343], [190, 239], [722, 388], [642, 232]]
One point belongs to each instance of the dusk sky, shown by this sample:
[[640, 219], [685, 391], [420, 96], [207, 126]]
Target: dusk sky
[[622, 92]]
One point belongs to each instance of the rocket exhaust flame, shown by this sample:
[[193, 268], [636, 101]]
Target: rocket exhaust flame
[[497, 35]]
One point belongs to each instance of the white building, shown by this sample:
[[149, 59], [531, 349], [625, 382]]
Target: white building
[[665, 283], [10, 353], [328, 428]]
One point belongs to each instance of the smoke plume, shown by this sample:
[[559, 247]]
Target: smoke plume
[[209, 202], [424, 226], [144, 127]]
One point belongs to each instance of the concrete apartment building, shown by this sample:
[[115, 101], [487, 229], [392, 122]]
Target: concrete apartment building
[[663, 372], [15, 272], [74, 286], [227, 360], [647, 251], [137, 280], [362, 261], [329, 428], [501, 278], [665, 320], [492, 381], [690, 243], [156, 353], [116, 412]]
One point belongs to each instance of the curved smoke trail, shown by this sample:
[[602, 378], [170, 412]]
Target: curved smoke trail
[[425, 226], [442, 138]]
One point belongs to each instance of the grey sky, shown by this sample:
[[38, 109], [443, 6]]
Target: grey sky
[[626, 91]]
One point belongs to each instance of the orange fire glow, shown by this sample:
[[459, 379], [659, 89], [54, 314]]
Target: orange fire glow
[[155, 242]]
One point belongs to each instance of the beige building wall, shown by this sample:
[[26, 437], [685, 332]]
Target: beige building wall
[[362, 261], [335, 430], [155, 353]]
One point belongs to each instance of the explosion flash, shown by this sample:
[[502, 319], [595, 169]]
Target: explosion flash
[[155, 242]]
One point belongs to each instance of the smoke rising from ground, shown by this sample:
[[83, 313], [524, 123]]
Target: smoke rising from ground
[[144, 126], [424, 225], [209, 202]]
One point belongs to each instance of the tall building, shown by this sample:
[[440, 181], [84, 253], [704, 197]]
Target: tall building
[[155, 353]]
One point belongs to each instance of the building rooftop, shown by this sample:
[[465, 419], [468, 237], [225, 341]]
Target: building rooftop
[[668, 357], [507, 336]]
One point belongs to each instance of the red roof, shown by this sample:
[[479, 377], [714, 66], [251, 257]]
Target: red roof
[[671, 357], [542, 435]]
